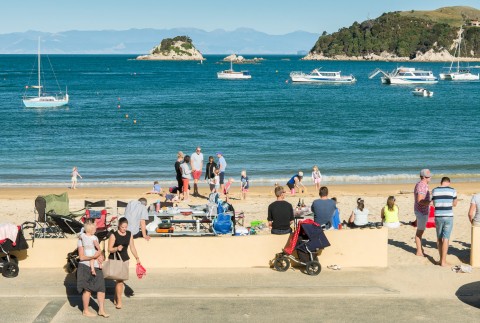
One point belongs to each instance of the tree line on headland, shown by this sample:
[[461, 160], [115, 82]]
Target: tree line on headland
[[401, 35]]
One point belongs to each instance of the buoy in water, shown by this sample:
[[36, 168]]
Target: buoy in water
[[134, 121], [276, 71], [118, 106], [126, 116], [286, 81]]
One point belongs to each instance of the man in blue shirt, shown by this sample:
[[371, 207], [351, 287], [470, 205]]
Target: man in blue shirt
[[222, 165], [444, 199], [324, 209]]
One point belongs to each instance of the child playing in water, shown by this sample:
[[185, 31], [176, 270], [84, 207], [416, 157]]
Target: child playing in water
[[91, 245], [244, 184], [316, 177], [75, 174]]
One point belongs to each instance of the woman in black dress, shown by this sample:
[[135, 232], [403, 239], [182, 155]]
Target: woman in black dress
[[178, 170], [119, 242], [210, 172]]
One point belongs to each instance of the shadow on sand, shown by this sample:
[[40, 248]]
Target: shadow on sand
[[470, 294]]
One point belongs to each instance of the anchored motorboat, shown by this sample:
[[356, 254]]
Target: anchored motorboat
[[321, 76], [405, 75]]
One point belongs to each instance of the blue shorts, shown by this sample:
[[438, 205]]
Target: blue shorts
[[444, 226], [222, 177]]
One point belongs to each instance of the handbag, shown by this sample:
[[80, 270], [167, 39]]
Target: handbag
[[115, 269]]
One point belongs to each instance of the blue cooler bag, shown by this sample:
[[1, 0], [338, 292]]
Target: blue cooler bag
[[222, 224]]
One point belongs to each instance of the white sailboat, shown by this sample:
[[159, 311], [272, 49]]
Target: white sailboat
[[233, 75], [44, 100], [459, 73]]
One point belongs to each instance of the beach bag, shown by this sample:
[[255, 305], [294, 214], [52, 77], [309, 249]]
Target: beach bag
[[115, 269], [222, 224]]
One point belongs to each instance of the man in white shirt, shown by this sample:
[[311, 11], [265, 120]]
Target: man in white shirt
[[196, 161], [136, 213]]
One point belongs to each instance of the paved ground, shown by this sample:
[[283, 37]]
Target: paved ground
[[254, 295]]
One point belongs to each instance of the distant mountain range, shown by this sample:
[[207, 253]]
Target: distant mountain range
[[141, 41]]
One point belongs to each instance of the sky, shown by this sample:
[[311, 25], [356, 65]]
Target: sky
[[269, 16]]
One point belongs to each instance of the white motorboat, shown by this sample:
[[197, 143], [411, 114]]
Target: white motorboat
[[44, 100], [422, 92], [405, 75], [459, 73], [322, 77], [233, 75]]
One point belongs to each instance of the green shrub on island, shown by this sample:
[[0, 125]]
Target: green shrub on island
[[398, 34], [168, 44]]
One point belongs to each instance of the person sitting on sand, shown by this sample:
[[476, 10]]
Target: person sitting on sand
[[156, 189], [296, 181], [323, 209], [389, 214], [280, 214], [359, 216]]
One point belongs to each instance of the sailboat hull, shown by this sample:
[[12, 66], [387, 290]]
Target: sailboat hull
[[457, 76], [45, 102]]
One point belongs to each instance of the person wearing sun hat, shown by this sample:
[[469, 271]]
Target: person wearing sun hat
[[296, 181], [421, 207]]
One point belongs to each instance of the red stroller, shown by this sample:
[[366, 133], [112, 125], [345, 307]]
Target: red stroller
[[307, 240]]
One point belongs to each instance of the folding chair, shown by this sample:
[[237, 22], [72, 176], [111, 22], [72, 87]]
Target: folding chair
[[100, 216], [121, 205], [66, 224]]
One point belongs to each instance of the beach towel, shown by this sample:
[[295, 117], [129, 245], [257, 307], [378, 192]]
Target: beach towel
[[141, 271], [431, 218], [8, 231]]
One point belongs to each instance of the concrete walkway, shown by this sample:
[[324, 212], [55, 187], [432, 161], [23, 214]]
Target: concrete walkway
[[255, 295]]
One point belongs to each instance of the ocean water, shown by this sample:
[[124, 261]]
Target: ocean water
[[365, 132]]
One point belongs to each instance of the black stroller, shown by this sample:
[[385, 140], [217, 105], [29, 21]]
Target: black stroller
[[307, 240], [9, 263]]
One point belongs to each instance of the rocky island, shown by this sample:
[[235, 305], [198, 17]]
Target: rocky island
[[404, 36], [242, 60], [179, 48]]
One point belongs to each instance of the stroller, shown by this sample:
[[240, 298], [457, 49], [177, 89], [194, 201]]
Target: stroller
[[307, 240], [9, 263]]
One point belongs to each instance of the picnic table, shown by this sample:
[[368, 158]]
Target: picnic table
[[197, 220]]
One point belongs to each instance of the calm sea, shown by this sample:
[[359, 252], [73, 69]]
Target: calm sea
[[366, 132]]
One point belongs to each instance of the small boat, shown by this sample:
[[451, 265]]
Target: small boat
[[459, 73], [44, 100], [405, 75], [322, 77], [422, 92], [233, 75]]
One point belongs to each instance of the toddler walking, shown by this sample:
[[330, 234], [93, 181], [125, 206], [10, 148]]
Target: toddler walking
[[75, 174], [91, 245], [316, 177]]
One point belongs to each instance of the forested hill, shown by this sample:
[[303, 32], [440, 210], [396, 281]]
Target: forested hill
[[399, 34]]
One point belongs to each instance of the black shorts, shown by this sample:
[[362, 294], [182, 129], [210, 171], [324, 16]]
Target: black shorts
[[291, 186]]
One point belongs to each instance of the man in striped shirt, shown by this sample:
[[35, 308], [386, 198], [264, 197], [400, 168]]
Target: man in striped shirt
[[444, 199]]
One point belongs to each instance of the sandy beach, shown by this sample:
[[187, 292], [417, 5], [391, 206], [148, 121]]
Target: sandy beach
[[17, 205]]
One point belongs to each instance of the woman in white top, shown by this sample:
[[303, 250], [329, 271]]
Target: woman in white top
[[474, 211], [186, 177], [359, 217]]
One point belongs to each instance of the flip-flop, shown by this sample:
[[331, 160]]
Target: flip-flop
[[105, 315]]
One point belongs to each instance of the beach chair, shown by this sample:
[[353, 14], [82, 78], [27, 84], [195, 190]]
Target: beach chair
[[97, 211], [121, 205], [46, 205], [66, 224]]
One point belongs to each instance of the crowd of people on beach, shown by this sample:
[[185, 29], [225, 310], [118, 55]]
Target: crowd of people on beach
[[281, 216]]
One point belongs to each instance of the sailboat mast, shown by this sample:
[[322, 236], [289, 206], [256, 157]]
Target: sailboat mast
[[459, 50], [39, 85]]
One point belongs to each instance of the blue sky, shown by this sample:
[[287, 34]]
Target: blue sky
[[273, 17]]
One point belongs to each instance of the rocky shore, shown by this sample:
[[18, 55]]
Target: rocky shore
[[429, 56]]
